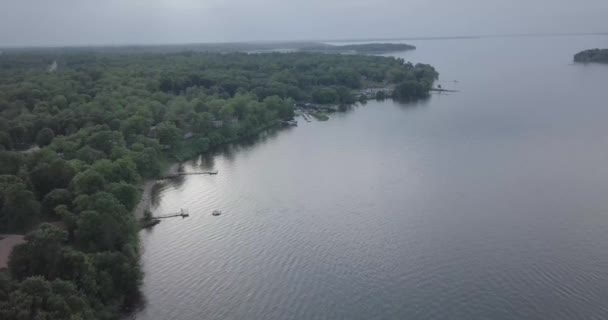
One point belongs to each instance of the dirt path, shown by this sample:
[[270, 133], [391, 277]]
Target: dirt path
[[7, 243]]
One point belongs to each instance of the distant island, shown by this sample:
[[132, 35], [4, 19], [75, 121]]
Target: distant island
[[592, 55], [367, 48]]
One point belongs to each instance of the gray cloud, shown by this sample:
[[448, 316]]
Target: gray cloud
[[78, 22]]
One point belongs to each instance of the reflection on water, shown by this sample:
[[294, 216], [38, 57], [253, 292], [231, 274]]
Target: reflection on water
[[488, 203], [228, 151], [156, 191], [422, 102]]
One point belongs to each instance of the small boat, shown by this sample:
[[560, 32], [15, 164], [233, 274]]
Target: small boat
[[212, 172], [216, 213]]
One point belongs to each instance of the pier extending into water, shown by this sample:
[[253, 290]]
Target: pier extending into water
[[182, 213], [180, 174], [442, 90], [151, 221], [306, 116]]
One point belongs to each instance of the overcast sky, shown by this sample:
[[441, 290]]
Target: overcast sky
[[81, 22]]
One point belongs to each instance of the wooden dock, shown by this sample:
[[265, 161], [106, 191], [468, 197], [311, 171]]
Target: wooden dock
[[443, 90], [306, 117], [182, 213], [180, 174], [151, 221]]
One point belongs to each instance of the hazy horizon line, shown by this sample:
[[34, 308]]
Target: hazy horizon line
[[342, 40]]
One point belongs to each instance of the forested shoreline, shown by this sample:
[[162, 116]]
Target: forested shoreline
[[105, 122]]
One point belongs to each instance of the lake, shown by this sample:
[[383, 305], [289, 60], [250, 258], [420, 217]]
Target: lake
[[488, 203]]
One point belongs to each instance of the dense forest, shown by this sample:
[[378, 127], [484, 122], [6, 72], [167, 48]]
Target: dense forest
[[592, 55], [80, 131]]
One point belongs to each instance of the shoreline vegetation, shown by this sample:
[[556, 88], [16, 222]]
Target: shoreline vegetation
[[592, 56], [108, 124]]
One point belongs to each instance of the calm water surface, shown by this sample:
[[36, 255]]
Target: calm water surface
[[490, 203]]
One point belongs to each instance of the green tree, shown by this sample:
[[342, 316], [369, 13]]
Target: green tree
[[89, 155], [19, 208], [37, 298], [106, 225], [283, 108], [147, 162], [89, 182], [168, 134], [55, 198], [410, 89], [6, 143], [40, 254], [136, 124], [106, 140], [118, 272], [325, 95], [45, 137], [126, 169], [48, 176], [10, 162], [126, 193]]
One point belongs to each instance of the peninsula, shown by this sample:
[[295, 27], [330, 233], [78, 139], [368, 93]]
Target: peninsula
[[98, 124]]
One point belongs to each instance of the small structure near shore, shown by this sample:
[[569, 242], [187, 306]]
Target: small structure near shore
[[439, 89], [179, 174], [182, 213], [149, 221], [149, 224]]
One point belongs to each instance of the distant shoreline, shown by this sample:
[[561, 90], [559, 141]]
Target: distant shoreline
[[21, 47]]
